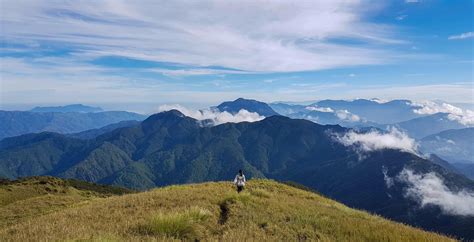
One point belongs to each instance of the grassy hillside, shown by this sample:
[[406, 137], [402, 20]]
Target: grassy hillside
[[267, 210], [27, 198]]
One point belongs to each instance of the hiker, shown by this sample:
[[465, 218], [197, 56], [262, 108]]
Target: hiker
[[239, 181]]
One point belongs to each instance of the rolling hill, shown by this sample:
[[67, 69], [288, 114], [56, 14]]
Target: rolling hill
[[28, 198], [170, 148], [212, 211]]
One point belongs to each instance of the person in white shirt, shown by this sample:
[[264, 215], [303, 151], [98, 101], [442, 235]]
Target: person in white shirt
[[239, 181]]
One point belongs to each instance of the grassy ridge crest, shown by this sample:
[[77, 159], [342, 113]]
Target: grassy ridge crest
[[266, 210]]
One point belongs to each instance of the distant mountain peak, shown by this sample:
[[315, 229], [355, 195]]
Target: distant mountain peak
[[171, 117], [248, 104], [173, 113]]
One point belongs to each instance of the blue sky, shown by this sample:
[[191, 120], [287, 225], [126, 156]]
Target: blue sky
[[130, 53]]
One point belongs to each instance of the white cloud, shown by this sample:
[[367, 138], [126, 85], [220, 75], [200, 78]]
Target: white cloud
[[465, 117], [347, 116], [340, 114], [258, 36], [378, 100], [215, 116], [430, 189], [375, 140], [466, 35], [319, 109]]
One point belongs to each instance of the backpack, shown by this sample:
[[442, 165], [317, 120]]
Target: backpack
[[240, 180]]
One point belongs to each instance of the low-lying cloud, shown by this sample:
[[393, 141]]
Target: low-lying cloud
[[215, 116], [376, 140], [320, 109], [340, 114], [430, 189], [465, 117], [346, 115]]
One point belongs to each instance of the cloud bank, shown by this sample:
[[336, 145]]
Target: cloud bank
[[215, 116], [375, 140], [430, 189], [465, 117]]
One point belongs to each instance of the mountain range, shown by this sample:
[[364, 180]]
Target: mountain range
[[170, 148], [424, 126], [72, 108], [455, 145], [14, 123], [402, 114]]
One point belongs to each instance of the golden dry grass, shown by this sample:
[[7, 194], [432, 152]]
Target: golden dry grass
[[266, 210]]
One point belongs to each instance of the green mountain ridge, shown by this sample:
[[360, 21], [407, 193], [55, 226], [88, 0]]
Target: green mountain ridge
[[14, 123]]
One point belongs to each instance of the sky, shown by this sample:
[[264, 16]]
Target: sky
[[139, 54]]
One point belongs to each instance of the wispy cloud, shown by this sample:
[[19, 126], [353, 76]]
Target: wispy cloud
[[401, 17], [430, 189], [252, 35], [466, 35]]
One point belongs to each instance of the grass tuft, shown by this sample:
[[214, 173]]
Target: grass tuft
[[260, 193], [243, 197], [178, 225]]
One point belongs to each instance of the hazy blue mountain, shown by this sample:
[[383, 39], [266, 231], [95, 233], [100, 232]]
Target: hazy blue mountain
[[456, 145], [465, 168], [73, 108], [378, 112], [13, 123], [247, 104], [332, 118], [287, 109], [329, 116], [428, 125], [92, 133], [169, 148]]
